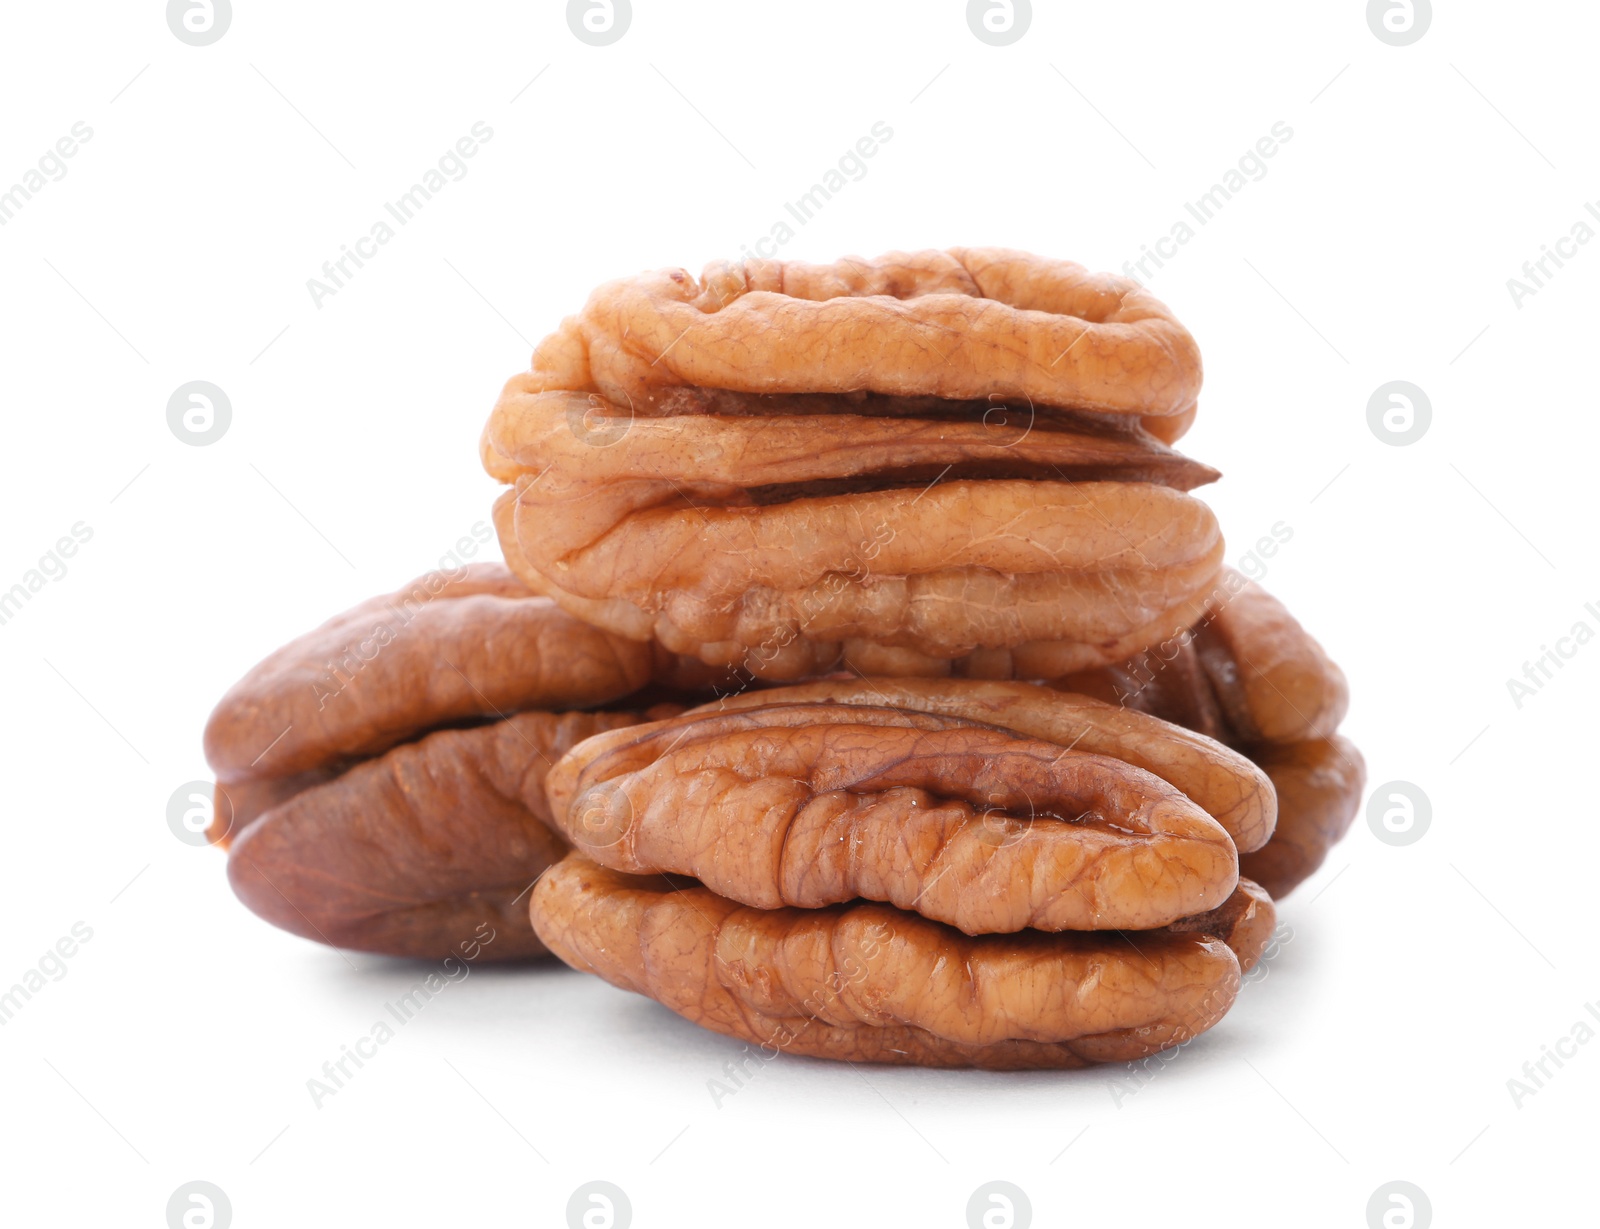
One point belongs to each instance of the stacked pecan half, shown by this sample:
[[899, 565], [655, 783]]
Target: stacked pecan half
[[380, 780], [865, 682]]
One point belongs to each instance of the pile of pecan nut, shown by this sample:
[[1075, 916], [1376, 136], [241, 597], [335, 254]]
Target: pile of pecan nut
[[862, 682]]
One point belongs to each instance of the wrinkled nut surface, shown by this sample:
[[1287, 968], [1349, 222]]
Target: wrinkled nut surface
[[1123, 567], [957, 325], [355, 820], [442, 649], [798, 479], [1245, 922], [1247, 672], [813, 804], [1249, 675], [1225, 784], [429, 846], [871, 983], [745, 541], [1319, 784]]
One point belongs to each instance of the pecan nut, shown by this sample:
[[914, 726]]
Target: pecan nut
[[871, 983], [1225, 784], [1245, 922], [354, 819], [350, 689], [1319, 783], [411, 853], [1250, 676], [954, 325], [813, 804], [1245, 673], [1060, 576]]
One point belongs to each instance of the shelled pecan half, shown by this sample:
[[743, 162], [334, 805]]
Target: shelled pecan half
[[1249, 675], [380, 786]]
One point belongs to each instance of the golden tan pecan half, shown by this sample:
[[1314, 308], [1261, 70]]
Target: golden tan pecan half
[[876, 984], [871, 983], [811, 804], [1225, 784], [955, 325], [1095, 570]]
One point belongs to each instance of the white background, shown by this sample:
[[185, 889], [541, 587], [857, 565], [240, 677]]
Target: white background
[[177, 248]]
